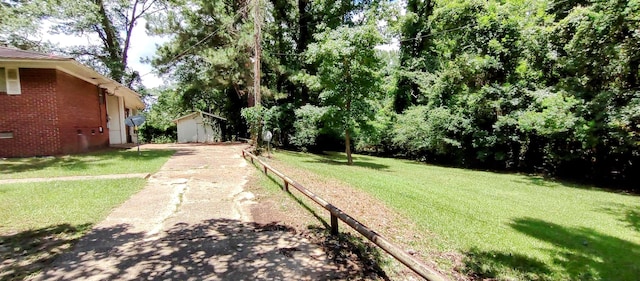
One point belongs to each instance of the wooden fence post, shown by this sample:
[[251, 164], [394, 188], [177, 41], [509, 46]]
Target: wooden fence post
[[403, 257], [334, 225]]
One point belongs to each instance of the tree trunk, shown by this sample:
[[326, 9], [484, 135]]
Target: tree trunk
[[304, 20], [347, 140], [110, 42]]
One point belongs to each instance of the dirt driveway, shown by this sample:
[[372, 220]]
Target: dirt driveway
[[192, 221]]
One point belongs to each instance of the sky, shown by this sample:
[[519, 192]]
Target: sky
[[142, 45]]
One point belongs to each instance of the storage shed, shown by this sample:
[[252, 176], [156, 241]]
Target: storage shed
[[199, 126]]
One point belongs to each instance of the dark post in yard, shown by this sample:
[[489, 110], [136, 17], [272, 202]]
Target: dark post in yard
[[135, 121]]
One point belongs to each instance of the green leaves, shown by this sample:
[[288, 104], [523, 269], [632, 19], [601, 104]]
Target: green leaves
[[422, 131], [308, 125], [553, 113], [348, 74]]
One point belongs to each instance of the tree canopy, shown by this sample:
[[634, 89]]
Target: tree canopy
[[537, 86]]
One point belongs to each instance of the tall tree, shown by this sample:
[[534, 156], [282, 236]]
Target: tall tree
[[348, 76], [208, 55], [110, 21], [18, 21], [415, 51]]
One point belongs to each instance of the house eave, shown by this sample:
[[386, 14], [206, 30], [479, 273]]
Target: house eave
[[76, 69]]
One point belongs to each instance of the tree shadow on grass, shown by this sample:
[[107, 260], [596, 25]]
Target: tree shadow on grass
[[493, 264], [27, 252], [633, 218], [219, 249], [630, 215], [10, 166], [583, 253], [335, 158], [542, 181], [579, 253]]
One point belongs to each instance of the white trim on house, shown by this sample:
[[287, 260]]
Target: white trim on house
[[123, 126], [12, 80]]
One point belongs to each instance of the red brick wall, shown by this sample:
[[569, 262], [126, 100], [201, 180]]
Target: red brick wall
[[31, 116], [81, 113], [55, 113]]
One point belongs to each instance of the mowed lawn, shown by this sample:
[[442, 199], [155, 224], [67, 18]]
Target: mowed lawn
[[25, 206], [89, 164], [506, 226], [39, 221]]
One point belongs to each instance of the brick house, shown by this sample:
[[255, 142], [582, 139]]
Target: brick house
[[52, 105]]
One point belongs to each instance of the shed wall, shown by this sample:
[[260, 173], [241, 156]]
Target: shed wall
[[187, 130]]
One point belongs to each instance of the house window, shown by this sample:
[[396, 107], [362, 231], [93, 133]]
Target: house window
[[6, 135], [10, 81]]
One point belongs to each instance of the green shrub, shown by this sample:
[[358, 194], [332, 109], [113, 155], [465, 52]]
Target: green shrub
[[422, 131], [307, 125]]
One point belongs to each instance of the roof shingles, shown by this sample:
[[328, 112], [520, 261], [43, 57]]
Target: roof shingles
[[10, 53]]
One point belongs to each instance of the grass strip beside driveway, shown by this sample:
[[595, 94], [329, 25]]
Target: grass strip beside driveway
[[38, 221], [505, 226], [90, 164]]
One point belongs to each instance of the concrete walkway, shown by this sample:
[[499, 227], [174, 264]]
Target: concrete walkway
[[192, 222]]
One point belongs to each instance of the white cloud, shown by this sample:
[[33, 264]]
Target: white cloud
[[66, 40], [143, 45]]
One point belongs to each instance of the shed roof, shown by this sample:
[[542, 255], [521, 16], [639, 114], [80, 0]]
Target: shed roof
[[27, 59], [198, 112]]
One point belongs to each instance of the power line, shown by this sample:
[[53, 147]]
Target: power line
[[284, 55], [300, 55], [404, 40], [169, 62], [461, 27], [437, 33]]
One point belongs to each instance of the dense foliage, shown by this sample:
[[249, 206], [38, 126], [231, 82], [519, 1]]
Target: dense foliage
[[534, 86], [542, 86]]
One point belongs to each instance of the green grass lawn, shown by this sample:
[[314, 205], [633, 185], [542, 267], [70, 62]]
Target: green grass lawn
[[97, 163], [507, 226], [25, 206], [38, 221]]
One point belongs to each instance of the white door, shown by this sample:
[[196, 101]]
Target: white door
[[115, 122]]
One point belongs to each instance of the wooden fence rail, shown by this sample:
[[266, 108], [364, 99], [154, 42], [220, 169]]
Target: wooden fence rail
[[336, 214]]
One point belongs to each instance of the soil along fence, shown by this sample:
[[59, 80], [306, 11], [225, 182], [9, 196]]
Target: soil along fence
[[337, 214]]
